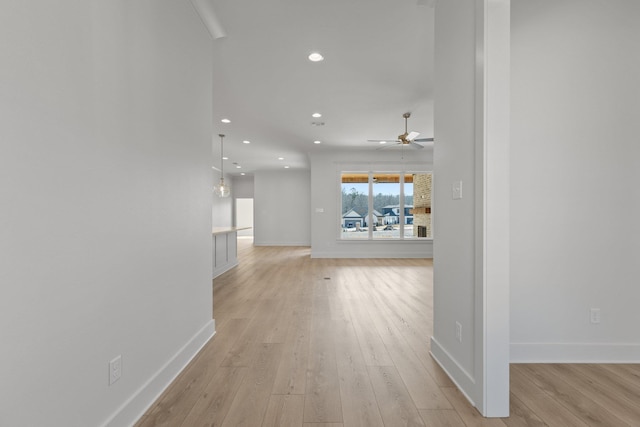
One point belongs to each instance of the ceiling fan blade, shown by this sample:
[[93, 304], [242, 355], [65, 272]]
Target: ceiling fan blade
[[412, 135], [414, 145], [383, 140], [423, 140]]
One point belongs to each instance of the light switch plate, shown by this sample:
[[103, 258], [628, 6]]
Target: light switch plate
[[456, 190], [115, 369]]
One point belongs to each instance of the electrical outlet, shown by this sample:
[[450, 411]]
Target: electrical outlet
[[115, 369], [594, 315], [459, 331]]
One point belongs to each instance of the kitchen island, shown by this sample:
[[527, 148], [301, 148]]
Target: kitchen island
[[225, 249]]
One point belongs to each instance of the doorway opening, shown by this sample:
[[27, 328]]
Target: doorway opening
[[244, 221]]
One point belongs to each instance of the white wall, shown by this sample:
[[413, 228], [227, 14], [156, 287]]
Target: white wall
[[242, 186], [282, 200], [454, 226], [325, 194], [575, 162], [454, 160], [105, 184]]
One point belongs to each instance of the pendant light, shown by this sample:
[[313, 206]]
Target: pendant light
[[222, 189]]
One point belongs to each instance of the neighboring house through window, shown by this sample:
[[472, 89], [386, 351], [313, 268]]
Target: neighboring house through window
[[385, 205]]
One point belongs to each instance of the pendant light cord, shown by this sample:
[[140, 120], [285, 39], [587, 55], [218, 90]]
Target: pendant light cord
[[221, 135]]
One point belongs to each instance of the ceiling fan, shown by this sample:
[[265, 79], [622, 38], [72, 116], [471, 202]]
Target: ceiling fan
[[407, 138]]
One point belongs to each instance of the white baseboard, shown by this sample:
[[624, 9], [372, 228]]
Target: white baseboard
[[461, 378], [260, 243], [574, 353], [141, 400], [316, 254], [223, 269]]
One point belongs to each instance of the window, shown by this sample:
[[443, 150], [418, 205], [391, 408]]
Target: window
[[355, 205], [385, 205]]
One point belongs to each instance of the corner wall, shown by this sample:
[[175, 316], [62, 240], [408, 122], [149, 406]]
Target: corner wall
[[471, 199], [575, 164], [105, 184]]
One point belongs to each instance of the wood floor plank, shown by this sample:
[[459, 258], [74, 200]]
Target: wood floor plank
[[441, 418], [284, 411], [626, 371], [278, 323], [246, 346], [251, 400], [291, 377], [573, 399], [424, 391], [322, 392], [359, 404], [543, 405], [591, 382], [215, 400], [623, 385], [396, 406], [520, 415], [416, 331], [373, 349]]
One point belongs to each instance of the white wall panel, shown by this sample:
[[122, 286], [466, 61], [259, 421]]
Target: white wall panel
[[575, 165], [105, 183]]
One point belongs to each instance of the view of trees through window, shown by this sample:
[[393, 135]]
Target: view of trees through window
[[380, 205]]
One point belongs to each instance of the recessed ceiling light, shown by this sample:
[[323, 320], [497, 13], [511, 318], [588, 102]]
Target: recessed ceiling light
[[238, 166], [317, 142], [225, 121], [383, 142], [246, 142], [316, 115], [315, 57], [280, 158], [242, 173], [225, 158], [286, 167]]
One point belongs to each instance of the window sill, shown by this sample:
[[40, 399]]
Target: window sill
[[419, 240]]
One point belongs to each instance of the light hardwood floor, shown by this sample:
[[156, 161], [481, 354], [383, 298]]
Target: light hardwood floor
[[344, 342]]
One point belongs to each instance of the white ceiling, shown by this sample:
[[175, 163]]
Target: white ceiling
[[378, 65]]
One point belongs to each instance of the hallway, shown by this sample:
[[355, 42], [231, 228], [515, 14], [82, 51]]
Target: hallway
[[304, 341]]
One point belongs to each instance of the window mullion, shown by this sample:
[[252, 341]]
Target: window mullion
[[370, 208], [402, 216]]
